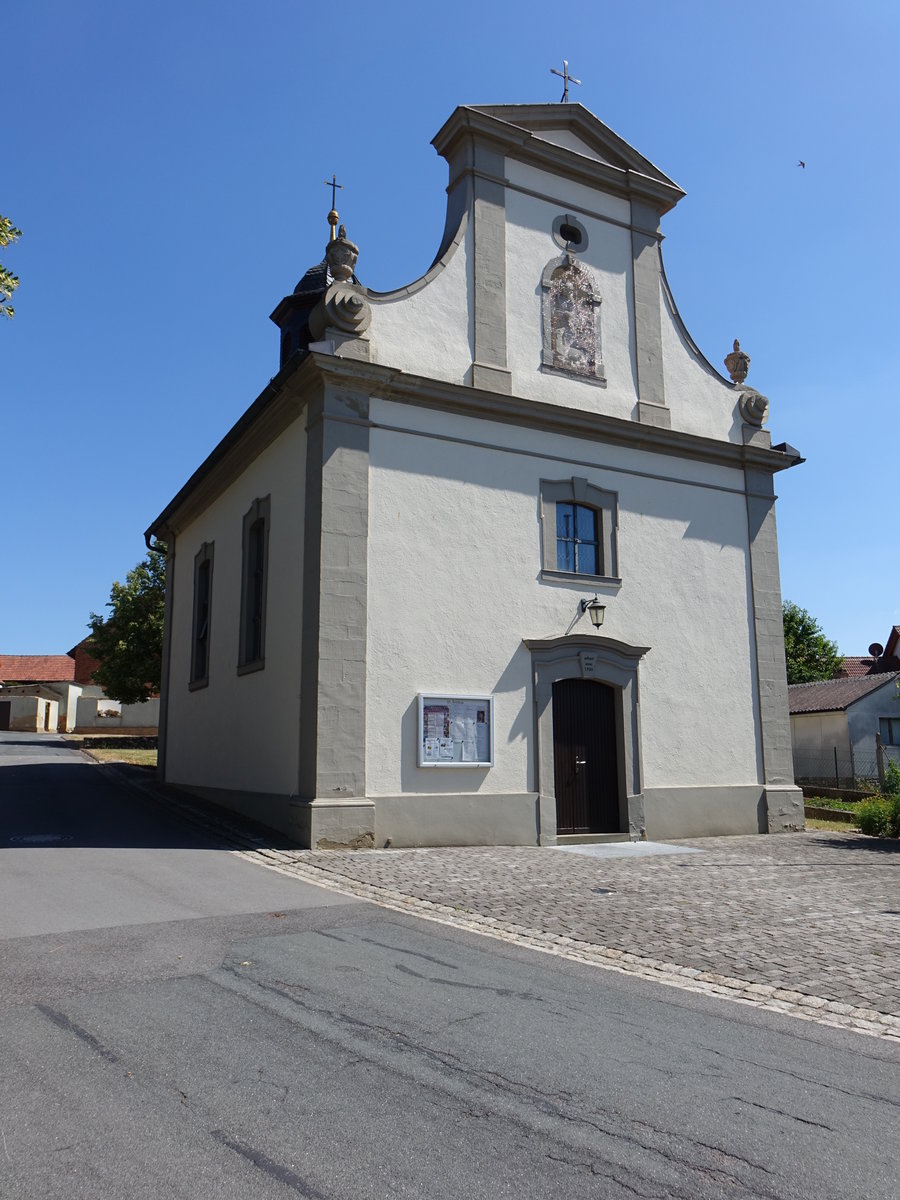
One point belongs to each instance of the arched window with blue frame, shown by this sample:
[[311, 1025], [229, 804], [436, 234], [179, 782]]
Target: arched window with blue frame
[[579, 532], [577, 539]]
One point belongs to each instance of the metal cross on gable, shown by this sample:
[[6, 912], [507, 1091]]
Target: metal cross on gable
[[334, 185], [566, 78]]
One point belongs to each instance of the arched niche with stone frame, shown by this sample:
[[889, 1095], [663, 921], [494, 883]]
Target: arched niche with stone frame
[[570, 317]]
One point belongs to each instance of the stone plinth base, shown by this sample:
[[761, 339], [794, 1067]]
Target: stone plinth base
[[334, 824], [784, 809]]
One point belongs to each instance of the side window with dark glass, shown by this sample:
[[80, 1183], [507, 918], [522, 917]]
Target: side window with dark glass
[[203, 582], [254, 576]]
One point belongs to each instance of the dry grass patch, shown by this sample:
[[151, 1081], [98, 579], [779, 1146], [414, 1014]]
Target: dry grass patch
[[840, 821], [141, 758]]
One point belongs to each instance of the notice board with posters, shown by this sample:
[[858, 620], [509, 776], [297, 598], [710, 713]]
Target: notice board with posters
[[456, 731]]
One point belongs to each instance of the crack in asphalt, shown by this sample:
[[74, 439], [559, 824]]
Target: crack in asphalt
[[781, 1113], [549, 1104], [506, 993], [832, 1087], [412, 953], [596, 1172]]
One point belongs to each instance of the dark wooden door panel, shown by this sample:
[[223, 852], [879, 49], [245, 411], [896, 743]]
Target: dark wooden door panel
[[5, 706], [586, 772]]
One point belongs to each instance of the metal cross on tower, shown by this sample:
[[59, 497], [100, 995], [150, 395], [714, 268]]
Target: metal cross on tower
[[333, 217], [566, 78]]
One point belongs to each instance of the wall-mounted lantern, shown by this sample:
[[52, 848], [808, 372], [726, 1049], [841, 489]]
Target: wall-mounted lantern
[[595, 609]]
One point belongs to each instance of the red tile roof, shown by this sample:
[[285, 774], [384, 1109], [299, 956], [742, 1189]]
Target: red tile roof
[[834, 695], [855, 665], [36, 668]]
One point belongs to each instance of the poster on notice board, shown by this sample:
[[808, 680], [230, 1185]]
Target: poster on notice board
[[456, 731]]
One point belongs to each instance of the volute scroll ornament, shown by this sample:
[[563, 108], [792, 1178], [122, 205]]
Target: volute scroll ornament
[[754, 407], [344, 307]]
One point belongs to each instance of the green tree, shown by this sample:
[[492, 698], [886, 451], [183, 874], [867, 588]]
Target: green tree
[[128, 643], [8, 281], [809, 653]]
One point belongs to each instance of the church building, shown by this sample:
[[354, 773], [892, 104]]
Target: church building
[[492, 559]]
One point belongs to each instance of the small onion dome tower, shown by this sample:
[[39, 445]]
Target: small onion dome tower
[[291, 315]]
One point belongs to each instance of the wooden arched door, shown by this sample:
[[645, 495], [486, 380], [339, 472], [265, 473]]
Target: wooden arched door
[[585, 757]]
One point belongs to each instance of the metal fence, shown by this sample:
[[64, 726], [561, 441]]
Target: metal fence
[[841, 768]]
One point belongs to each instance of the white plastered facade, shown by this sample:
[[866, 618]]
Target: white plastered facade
[[407, 553], [238, 734], [455, 589]]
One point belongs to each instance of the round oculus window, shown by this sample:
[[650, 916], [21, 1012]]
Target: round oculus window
[[569, 234]]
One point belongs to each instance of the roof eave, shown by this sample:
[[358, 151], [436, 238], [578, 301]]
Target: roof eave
[[241, 429]]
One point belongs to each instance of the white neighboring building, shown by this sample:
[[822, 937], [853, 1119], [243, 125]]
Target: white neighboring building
[[30, 708], [834, 723], [376, 628], [109, 716]]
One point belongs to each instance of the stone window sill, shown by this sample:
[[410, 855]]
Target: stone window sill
[[571, 577]]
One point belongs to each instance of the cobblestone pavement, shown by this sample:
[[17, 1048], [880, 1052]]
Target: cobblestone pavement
[[805, 923]]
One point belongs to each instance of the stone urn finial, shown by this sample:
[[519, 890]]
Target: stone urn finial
[[341, 255], [344, 309], [737, 363]]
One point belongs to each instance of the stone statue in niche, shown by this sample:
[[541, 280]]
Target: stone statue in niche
[[571, 320]]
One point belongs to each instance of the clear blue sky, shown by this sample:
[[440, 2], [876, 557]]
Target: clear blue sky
[[166, 162]]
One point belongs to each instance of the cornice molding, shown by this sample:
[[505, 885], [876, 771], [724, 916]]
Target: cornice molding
[[285, 397], [391, 384], [638, 178]]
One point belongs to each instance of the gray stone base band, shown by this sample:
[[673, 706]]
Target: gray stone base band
[[505, 818], [329, 824], [681, 812], [268, 808], [414, 819], [458, 819]]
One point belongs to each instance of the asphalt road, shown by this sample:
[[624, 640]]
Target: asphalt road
[[237, 1047], [79, 852]]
